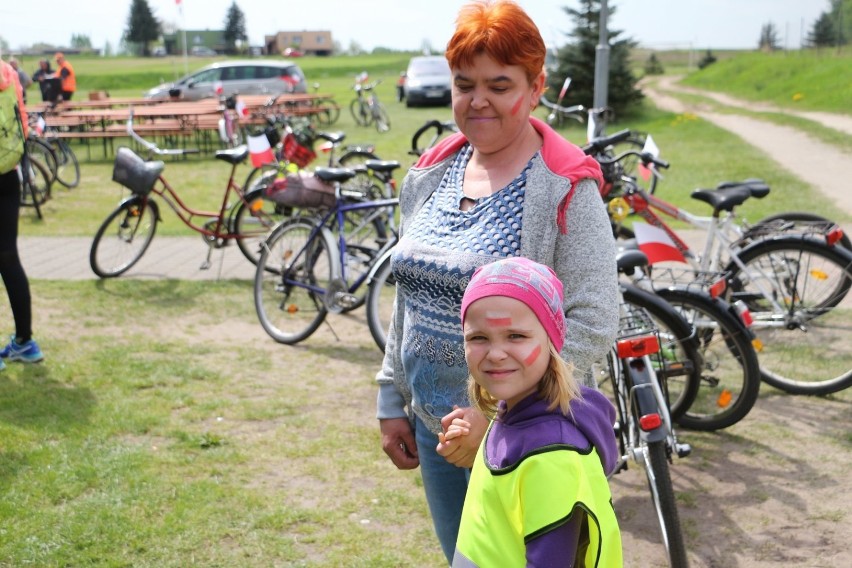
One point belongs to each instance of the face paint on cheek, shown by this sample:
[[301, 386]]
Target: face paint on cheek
[[517, 106], [530, 359]]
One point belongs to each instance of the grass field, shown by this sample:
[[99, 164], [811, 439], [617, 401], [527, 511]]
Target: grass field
[[166, 429]]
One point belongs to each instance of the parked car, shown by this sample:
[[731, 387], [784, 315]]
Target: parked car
[[428, 81], [202, 51], [249, 77]]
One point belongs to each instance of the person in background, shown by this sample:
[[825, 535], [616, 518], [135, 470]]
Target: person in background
[[68, 79], [22, 346], [23, 78], [506, 185], [47, 84], [538, 493]]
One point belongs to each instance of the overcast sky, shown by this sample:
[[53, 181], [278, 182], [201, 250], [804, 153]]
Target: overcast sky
[[406, 24]]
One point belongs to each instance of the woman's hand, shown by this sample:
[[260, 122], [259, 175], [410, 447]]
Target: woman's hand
[[398, 442], [468, 426]]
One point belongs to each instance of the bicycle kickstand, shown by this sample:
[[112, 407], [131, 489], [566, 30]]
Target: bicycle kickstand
[[206, 264]]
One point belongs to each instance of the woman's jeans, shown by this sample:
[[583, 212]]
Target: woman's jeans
[[445, 486]]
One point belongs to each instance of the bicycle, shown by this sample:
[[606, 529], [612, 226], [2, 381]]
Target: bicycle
[[126, 233], [440, 127], [366, 109], [63, 162], [644, 426], [791, 277], [558, 113], [310, 266], [35, 179], [724, 382]]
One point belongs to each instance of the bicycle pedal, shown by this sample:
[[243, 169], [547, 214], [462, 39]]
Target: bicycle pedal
[[682, 450]]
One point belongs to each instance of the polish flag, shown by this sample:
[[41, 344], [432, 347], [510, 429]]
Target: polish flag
[[650, 148], [260, 150], [218, 88], [241, 108], [656, 244], [40, 125]]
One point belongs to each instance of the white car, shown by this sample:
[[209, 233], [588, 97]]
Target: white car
[[428, 81]]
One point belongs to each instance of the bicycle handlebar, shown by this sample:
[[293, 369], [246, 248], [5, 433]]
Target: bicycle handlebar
[[439, 126], [646, 157], [600, 144], [153, 148]]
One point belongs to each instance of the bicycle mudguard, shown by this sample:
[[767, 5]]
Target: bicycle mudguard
[[378, 264], [147, 200], [642, 396], [794, 241]]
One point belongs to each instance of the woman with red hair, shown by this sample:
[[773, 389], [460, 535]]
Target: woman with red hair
[[506, 185]]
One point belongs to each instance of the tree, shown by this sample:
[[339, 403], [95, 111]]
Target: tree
[[708, 59], [822, 34], [81, 41], [235, 29], [653, 66], [577, 60], [142, 26], [768, 38]]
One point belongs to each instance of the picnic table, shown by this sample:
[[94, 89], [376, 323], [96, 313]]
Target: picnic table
[[107, 119]]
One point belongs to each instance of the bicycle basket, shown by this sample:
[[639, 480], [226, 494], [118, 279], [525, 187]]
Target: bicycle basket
[[134, 173], [301, 189], [297, 153]]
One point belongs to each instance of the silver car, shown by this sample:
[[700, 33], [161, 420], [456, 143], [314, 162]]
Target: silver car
[[235, 77], [427, 81]]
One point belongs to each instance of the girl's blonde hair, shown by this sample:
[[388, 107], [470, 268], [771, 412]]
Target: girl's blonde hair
[[558, 386]]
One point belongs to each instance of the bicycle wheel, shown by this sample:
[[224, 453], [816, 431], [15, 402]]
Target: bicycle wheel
[[67, 166], [35, 189], [360, 112], [40, 151], [660, 483], [380, 303], [800, 220], [380, 117], [680, 375], [292, 277], [253, 219], [124, 237], [730, 375], [804, 346]]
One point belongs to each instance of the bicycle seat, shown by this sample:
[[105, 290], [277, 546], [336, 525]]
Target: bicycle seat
[[627, 260], [724, 199], [333, 137], [233, 155], [757, 187], [382, 165], [335, 174]]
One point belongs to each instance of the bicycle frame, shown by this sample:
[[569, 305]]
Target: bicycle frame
[[338, 213], [719, 232]]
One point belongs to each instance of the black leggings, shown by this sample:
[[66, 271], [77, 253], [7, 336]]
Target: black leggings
[[14, 277]]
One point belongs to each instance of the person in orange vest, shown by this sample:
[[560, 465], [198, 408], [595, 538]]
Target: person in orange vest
[[66, 74]]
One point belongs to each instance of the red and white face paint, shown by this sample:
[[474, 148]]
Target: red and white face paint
[[506, 347]]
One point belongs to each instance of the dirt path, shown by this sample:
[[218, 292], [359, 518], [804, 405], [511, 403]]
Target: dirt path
[[823, 166]]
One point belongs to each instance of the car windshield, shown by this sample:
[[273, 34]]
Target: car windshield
[[430, 67]]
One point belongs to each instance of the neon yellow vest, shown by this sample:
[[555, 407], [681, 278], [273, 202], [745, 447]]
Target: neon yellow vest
[[504, 507]]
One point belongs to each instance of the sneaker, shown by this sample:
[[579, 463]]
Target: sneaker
[[28, 352]]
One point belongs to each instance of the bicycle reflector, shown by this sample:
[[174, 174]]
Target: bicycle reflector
[[650, 422], [833, 235], [637, 346], [744, 313], [718, 288]]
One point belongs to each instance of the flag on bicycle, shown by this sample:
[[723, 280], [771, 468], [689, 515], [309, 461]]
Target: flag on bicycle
[[650, 148], [260, 150], [241, 108], [657, 245]]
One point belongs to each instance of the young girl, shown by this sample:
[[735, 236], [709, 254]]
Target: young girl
[[538, 493]]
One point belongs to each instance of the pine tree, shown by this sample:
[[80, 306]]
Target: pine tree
[[768, 38], [823, 32], [577, 60], [708, 59], [653, 66], [235, 28], [142, 26]]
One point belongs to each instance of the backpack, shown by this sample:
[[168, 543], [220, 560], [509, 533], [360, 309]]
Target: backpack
[[11, 132]]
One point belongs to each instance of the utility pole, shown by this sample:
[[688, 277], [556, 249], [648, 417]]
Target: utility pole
[[602, 60]]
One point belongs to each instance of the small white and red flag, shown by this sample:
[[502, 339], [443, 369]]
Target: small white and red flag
[[650, 148], [218, 88], [260, 150], [657, 245], [241, 108]]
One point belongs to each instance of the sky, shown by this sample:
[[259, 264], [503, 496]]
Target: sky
[[407, 24]]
